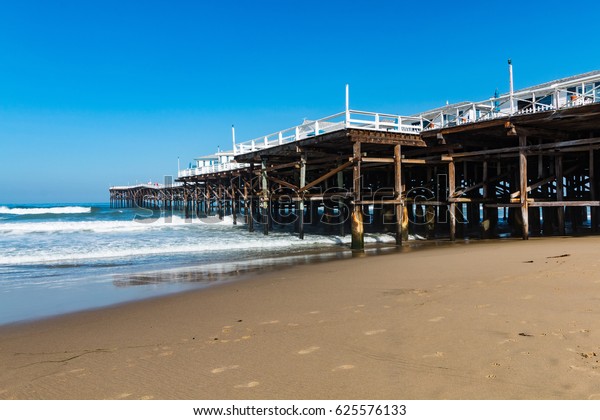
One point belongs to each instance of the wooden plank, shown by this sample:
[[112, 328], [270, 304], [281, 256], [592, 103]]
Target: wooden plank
[[538, 184], [529, 149], [282, 183], [376, 160], [587, 203], [481, 184], [327, 175], [375, 201]]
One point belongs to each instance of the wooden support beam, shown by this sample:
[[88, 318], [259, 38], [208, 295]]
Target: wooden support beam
[[358, 240], [376, 160], [523, 184], [558, 169], [264, 207], [538, 184], [282, 183], [301, 203], [592, 182], [399, 210], [331, 173], [482, 184], [560, 204], [528, 150], [341, 206], [452, 206]]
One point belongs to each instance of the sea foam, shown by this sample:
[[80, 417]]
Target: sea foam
[[22, 211]]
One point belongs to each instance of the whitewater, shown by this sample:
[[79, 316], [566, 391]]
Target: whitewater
[[65, 257]]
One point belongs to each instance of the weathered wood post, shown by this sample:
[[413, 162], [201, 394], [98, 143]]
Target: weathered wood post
[[220, 199], [399, 210], [451, 203], [358, 237], [301, 196], [264, 207], [560, 211], [523, 186], [592, 180], [341, 203], [234, 207]]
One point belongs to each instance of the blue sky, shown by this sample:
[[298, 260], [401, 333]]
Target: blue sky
[[97, 93]]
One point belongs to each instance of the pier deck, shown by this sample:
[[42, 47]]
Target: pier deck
[[529, 159]]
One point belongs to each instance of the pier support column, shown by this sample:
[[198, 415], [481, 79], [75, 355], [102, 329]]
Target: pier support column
[[234, 206], [523, 187], [248, 206], [592, 180], [220, 199], [264, 205], [560, 211], [341, 203], [301, 196], [358, 235], [452, 204], [399, 210]]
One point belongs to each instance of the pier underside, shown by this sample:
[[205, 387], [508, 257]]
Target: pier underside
[[523, 175]]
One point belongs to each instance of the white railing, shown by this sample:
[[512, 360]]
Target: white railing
[[569, 93], [152, 185], [349, 119], [219, 167]]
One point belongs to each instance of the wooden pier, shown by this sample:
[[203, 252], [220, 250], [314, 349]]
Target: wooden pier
[[523, 164]]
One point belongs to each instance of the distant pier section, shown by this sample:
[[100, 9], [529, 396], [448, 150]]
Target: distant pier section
[[521, 163]]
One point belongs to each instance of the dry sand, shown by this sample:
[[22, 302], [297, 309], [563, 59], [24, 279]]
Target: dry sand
[[493, 320]]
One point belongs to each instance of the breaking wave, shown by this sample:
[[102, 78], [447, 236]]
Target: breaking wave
[[22, 211]]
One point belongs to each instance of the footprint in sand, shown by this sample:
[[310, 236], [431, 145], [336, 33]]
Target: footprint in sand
[[373, 332], [248, 385], [147, 397], [123, 395], [314, 312], [224, 368], [275, 321], [342, 367], [292, 324], [436, 319], [166, 353], [436, 354], [309, 350], [76, 370]]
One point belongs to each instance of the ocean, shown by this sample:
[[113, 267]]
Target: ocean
[[60, 258]]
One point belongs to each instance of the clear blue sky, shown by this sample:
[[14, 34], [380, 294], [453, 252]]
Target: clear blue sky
[[96, 93]]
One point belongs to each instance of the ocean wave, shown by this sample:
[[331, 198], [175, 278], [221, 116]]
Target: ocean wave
[[105, 226], [226, 244], [22, 211], [50, 257]]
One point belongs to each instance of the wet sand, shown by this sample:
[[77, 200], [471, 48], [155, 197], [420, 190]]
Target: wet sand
[[489, 320]]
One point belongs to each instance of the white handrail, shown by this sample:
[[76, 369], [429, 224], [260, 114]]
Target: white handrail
[[577, 91]]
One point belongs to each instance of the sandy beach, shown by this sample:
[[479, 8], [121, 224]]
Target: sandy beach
[[488, 320]]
